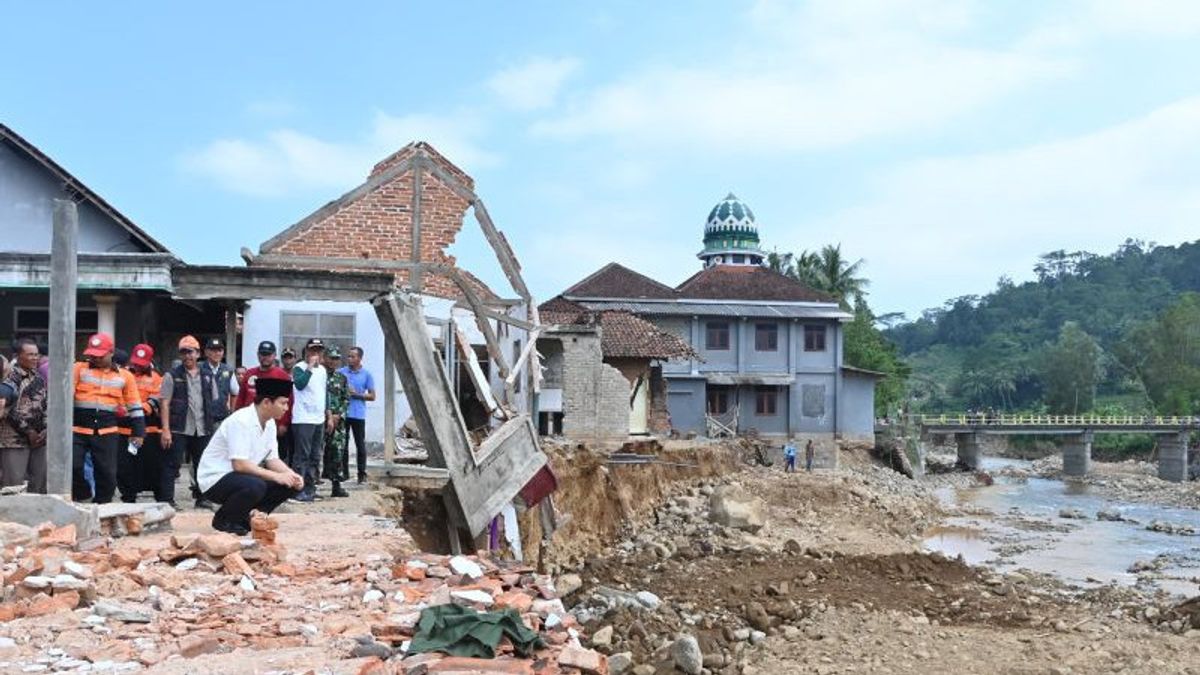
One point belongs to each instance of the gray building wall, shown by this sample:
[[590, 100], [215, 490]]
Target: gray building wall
[[858, 406], [717, 360], [595, 395], [680, 327], [685, 402], [755, 361], [27, 194], [812, 403], [765, 424]]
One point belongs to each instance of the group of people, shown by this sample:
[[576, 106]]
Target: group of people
[[253, 438], [789, 456]]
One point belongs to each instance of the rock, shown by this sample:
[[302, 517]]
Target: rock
[[586, 660], [66, 582], [1074, 514], [1151, 613], [648, 600], [792, 546], [1110, 515], [16, 534], [472, 597], [195, 645], [685, 653], [644, 669], [369, 647], [219, 544], [742, 634], [730, 507], [756, 616], [619, 664], [567, 585], [113, 610], [757, 636], [246, 584], [75, 569], [464, 566], [188, 564], [603, 637], [1142, 566]]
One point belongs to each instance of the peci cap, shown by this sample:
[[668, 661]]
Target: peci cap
[[272, 386], [315, 343], [141, 355], [266, 347], [189, 342], [100, 344], [214, 343]]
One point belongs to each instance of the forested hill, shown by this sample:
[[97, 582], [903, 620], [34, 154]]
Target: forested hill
[[1003, 349]]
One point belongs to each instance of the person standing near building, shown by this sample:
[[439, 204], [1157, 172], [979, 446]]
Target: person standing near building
[[99, 391], [362, 389], [308, 419], [241, 469], [23, 427], [809, 452], [337, 400], [142, 471], [223, 377], [789, 456], [283, 426], [190, 419]]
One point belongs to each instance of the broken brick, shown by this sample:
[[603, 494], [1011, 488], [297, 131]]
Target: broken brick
[[586, 660], [462, 664], [219, 544], [125, 558], [60, 536], [518, 600], [236, 565], [196, 645]]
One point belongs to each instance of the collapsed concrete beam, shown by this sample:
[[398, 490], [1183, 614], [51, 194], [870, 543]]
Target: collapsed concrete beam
[[34, 509]]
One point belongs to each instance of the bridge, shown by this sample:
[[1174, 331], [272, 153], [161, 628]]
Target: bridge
[[1077, 432]]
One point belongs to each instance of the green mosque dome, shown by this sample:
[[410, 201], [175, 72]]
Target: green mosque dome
[[731, 235]]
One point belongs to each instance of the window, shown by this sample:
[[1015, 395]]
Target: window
[[814, 338], [765, 401], [766, 337], [717, 336], [297, 328], [718, 401], [739, 259]]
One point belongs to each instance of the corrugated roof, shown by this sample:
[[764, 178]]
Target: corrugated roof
[[683, 308], [622, 335]]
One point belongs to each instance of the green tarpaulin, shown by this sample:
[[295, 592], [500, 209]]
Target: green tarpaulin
[[459, 631]]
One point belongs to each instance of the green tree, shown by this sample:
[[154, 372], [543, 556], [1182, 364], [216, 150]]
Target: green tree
[[1164, 354], [826, 271], [1071, 369], [866, 347]]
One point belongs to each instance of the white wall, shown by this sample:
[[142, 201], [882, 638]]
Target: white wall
[[261, 321]]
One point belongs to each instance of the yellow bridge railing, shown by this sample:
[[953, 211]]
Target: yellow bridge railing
[[980, 419]]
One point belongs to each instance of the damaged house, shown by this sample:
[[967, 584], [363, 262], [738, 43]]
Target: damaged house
[[766, 349]]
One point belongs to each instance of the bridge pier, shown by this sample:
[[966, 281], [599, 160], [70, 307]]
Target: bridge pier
[[1172, 457], [969, 450], [1077, 454]]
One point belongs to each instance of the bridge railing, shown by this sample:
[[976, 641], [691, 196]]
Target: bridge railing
[[1017, 419]]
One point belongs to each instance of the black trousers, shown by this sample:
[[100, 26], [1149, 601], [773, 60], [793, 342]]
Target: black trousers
[[142, 471], [285, 447], [358, 430], [308, 446], [240, 493], [104, 464], [184, 448]]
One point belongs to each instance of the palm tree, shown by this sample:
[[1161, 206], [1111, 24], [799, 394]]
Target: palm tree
[[839, 276]]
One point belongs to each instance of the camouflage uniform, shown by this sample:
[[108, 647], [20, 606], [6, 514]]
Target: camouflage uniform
[[337, 401]]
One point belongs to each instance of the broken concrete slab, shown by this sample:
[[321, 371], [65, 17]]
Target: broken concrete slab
[[33, 510], [123, 519]]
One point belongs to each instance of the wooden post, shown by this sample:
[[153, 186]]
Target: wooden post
[[415, 277], [389, 408], [63, 279]]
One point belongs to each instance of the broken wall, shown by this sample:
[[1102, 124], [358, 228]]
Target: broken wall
[[595, 395]]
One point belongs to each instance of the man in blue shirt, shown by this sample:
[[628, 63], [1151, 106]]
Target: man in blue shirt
[[789, 454], [362, 389]]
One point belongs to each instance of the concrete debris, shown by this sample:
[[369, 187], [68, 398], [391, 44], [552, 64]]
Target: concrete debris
[[687, 656], [730, 507]]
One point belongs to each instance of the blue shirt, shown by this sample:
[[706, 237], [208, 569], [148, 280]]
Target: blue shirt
[[789, 450], [360, 383]]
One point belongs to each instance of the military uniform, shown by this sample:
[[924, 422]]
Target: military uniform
[[337, 402]]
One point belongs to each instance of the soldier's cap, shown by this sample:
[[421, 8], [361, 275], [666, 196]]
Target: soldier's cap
[[333, 352], [99, 344], [266, 347], [274, 387], [141, 355]]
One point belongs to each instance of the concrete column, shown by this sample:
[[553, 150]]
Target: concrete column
[[389, 408], [106, 313], [1172, 457], [696, 345], [1077, 454], [969, 450], [60, 388], [231, 350]]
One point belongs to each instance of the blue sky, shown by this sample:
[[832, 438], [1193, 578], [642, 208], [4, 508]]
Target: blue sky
[[946, 143]]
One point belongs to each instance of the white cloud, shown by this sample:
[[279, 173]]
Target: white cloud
[[810, 76], [532, 85], [287, 161], [1081, 21], [961, 222]]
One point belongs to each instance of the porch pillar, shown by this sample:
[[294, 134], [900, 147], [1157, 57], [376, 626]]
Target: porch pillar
[[231, 348], [106, 313]]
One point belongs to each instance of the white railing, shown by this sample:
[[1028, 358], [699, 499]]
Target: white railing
[[980, 419]]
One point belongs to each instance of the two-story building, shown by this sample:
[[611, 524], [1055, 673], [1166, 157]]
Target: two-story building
[[769, 348]]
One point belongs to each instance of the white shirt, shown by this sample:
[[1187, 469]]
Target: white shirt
[[240, 436], [309, 402]]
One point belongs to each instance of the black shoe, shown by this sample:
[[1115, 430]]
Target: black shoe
[[338, 491], [362, 478], [232, 528], [202, 503], [304, 497]]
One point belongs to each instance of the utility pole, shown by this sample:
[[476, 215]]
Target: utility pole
[[63, 280]]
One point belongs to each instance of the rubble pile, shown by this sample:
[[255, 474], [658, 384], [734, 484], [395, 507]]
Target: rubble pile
[[70, 606]]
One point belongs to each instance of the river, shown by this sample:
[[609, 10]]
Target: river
[[1015, 524]]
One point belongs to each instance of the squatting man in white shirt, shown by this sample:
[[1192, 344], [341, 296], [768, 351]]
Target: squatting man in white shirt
[[241, 469]]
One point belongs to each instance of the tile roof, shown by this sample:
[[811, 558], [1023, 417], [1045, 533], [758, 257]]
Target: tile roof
[[616, 281], [747, 282], [622, 335]]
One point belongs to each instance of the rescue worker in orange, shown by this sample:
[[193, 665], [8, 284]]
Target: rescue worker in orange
[[143, 471], [99, 391]]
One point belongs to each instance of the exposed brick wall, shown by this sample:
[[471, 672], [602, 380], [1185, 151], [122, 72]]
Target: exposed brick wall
[[378, 225], [660, 415], [595, 395]]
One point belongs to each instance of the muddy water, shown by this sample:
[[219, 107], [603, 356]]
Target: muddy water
[[1022, 529]]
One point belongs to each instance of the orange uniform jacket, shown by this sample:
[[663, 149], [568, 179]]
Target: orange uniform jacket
[[149, 386], [98, 395]]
